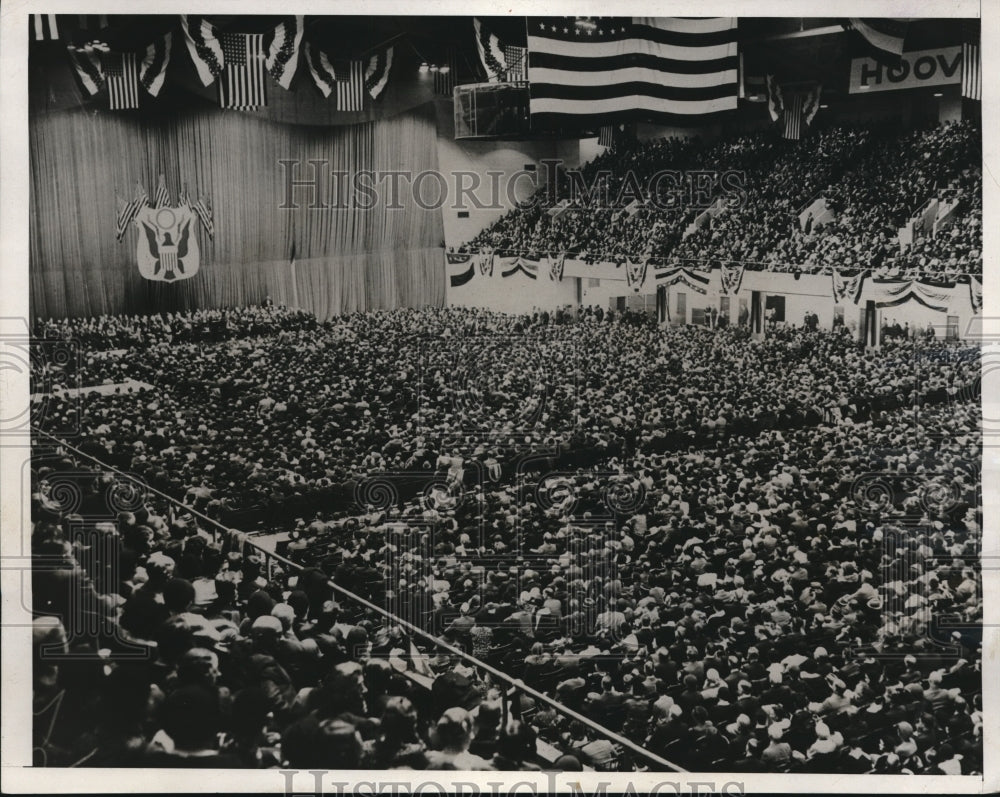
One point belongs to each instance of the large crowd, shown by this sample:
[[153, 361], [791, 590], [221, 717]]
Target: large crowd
[[874, 180], [733, 552]]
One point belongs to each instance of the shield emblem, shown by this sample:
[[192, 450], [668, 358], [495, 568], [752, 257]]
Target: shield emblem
[[167, 249]]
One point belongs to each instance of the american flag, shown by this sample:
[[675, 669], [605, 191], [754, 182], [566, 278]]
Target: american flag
[[606, 138], [44, 27], [972, 72], [204, 210], [243, 82], [161, 198], [122, 73], [350, 85], [517, 63], [793, 117], [665, 68], [128, 210]]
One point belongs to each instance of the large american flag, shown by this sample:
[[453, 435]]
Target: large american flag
[[615, 68], [243, 73], [122, 73], [350, 85]]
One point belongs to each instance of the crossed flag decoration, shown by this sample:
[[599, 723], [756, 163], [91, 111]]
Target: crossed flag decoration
[[128, 210]]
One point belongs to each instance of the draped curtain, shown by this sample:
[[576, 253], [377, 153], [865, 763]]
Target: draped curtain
[[346, 259]]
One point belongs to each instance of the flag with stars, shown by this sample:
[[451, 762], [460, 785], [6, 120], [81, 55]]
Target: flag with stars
[[611, 69], [122, 73], [243, 71]]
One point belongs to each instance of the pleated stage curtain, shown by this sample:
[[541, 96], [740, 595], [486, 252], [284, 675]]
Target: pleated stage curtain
[[346, 259]]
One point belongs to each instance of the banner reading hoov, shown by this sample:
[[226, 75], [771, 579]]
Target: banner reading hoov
[[167, 249]]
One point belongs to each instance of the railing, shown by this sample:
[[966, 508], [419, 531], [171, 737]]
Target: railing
[[270, 557]]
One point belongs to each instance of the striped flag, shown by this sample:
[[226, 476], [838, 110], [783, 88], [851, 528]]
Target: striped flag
[[322, 71], [122, 73], [490, 53], [153, 68], [793, 117], [242, 85], [665, 68], [44, 27], [204, 210], [161, 198], [606, 138], [885, 35], [972, 72], [350, 85], [775, 99], [517, 63], [127, 210], [377, 72], [204, 46]]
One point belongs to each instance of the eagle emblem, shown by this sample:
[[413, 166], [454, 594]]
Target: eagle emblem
[[167, 249]]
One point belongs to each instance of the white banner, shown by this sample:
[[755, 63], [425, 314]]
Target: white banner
[[920, 69]]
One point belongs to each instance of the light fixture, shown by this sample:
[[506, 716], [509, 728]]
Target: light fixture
[[824, 105], [424, 67], [434, 67], [938, 94], [445, 69]]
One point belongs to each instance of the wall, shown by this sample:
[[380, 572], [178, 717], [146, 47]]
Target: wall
[[514, 294]]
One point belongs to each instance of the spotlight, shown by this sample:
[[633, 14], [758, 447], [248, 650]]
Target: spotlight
[[445, 69], [424, 67], [434, 67], [938, 94], [824, 105]]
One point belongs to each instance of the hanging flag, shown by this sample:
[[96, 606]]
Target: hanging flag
[[153, 68], [885, 35], [283, 51], [322, 71], [183, 200], [128, 211], [204, 46], [972, 72], [243, 84], [160, 198], [203, 209], [732, 279], [486, 264], [350, 85], [606, 136], [517, 63], [635, 273], [976, 293], [44, 27], [167, 249], [490, 53], [86, 62], [775, 100], [557, 265], [121, 71], [660, 67], [377, 72], [793, 117]]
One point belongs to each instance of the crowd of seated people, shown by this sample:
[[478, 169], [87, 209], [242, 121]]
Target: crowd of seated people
[[729, 551], [873, 180]]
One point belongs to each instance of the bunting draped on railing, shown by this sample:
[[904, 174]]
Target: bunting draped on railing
[[635, 273], [461, 269], [695, 280], [848, 287], [509, 266], [485, 260], [732, 278], [894, 293]]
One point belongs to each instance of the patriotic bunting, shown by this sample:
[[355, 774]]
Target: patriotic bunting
[[775, 100], [490, 53], [694, 280], [283, 51], [377, 72], [847, 287], [976, 294], [323, 73], [732, 279], [461, 269], [514, 265], [204, 46], [486, 264], [153, 68], [86, 62], [635, 273]]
